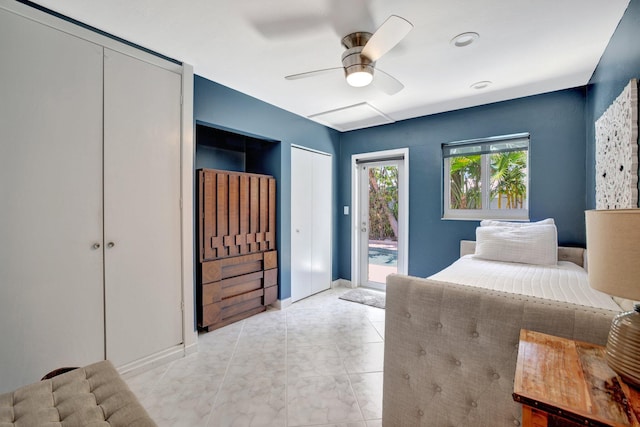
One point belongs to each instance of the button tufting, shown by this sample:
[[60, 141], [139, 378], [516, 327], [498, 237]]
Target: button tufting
[[496, 376], [458, 363], [406, 376], [516, 422], [408, 315], [438, 389], [439, 325], [475, 335], [423, 353], [420, 412], [474, 404]]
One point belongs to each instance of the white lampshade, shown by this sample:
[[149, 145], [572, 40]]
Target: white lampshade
[[613, 247]]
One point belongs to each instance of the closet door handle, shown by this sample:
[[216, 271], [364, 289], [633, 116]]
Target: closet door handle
[[96, 246], [110, 245]]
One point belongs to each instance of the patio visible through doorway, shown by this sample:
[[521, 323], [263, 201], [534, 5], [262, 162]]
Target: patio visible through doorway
[[383, 259]]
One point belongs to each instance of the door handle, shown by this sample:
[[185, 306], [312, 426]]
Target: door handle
[[96, 246], [110, 245]]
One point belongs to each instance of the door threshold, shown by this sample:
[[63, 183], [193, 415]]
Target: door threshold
[[375, 286]]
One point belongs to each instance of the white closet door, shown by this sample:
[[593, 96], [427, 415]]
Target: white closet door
[[142, 208], [301, 223], [310, 223], [321, 230], [51, 302]]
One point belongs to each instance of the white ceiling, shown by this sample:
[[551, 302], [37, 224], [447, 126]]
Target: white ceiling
[[525, 47]]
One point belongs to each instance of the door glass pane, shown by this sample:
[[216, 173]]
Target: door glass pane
[[383, 223]]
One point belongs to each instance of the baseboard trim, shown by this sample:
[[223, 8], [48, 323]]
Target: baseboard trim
[[191, 349], [282, 304], [344, 283], [147, 363]]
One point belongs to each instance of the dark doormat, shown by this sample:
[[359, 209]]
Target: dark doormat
[[365, 296]]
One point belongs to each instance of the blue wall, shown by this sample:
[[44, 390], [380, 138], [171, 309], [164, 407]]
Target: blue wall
[[221, 107], [619, 63], [561, 155], [557, 155]]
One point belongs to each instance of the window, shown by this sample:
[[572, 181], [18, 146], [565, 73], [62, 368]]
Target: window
[[487, 178]]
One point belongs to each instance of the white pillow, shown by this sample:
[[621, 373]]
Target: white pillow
[[491, 223], [527, 245]]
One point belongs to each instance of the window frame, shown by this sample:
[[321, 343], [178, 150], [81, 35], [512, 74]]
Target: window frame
[[485, 182]]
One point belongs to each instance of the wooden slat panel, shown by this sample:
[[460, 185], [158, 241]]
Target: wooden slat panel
[[235, 300], [214, 271], [270, 260], [208, 211], [211, 293], [244, 214], [241, 284], [237, 317], [270, 295], [270, 277], [242, 288], [240, 269], [222, 224], [247, 302], [271, 230], [264, 212], [211, 314], [234, 213], [254, 218]]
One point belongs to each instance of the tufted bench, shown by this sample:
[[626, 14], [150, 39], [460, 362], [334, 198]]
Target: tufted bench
[[93, 396]]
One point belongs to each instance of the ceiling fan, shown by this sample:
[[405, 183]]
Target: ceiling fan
[[363, 49]]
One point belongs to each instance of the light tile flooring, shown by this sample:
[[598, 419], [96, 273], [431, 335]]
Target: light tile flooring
[[317, 363]]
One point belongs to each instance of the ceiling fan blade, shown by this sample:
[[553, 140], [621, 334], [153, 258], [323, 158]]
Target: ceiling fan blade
[[386, 82], [312, 73], [386, 37]]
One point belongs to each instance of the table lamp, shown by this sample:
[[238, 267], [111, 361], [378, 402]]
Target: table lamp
[[613, 245]]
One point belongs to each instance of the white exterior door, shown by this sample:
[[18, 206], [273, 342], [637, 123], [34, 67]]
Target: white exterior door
[[51, 252], [142, 208], [310, 223]]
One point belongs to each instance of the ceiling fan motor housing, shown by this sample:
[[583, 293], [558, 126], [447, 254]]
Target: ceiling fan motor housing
[[352, 60]]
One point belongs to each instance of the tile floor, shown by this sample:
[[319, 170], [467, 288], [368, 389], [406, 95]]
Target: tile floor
[[317, 363]]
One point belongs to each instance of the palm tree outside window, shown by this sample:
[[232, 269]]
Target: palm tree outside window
[[487, 178]]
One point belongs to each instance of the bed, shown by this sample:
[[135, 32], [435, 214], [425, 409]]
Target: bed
[[451, 339]]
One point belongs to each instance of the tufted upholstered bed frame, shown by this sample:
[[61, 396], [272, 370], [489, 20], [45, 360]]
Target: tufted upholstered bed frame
[[450, 349], [93, 396]]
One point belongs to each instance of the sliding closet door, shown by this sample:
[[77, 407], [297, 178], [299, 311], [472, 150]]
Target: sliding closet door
[[142, 208], [322, 219], [301, 223], [51, 302], [310, 223]]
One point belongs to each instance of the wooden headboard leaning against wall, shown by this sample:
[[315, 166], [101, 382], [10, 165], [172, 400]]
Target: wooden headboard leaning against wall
[[574, 255]]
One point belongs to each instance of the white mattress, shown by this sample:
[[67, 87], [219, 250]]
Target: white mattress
[[566, 282]]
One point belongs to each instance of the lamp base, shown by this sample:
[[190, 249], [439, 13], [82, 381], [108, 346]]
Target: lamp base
[[623, 346]]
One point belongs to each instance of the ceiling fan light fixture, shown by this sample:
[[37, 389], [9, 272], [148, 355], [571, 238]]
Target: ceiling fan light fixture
[[360, 78]]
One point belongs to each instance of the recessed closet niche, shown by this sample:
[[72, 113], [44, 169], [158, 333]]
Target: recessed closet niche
[[236, 256]]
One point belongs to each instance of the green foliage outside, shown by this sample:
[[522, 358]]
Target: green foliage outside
[[383, 203], [465, 182], [508, 180]]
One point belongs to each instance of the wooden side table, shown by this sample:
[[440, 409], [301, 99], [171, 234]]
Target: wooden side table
[[562, 382]]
